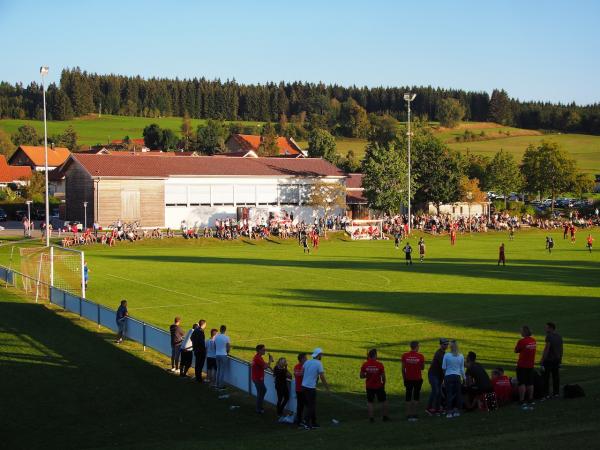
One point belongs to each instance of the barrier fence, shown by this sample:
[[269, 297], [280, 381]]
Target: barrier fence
[[238, 373]]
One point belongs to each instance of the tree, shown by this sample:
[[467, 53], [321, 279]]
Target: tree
[[384, 129], [68, 139], [548, 169], [476, 167], [321, 144], [7, 148], [499, 108], [26, 135], [327, 196], [61, 108], [36, 186], [450, 112], [210, 138], [187, 132], [152, 136], [350, 163], [584, 183], [268, 141], [385, 177], [168, 140], [353, 119], [503, 175]]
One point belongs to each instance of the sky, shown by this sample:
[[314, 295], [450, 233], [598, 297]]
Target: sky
[[536, 50]]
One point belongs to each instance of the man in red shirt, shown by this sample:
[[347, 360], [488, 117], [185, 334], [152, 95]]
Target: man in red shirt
[[298, 373], [526, 347], [413, 363], [502, 386], [373, 372], [258, 376]]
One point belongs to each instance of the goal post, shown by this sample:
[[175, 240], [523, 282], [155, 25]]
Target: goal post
[[365, 229]]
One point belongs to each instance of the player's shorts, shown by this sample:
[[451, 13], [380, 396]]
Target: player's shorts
[[211, 363], [379, 393], [413, 389], [525, 376]]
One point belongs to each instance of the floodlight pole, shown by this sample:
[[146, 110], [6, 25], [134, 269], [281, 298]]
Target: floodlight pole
[[43, 73], [28, 218], [409, 97]]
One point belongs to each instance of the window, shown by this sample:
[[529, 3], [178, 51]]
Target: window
[[245, 194], [130, 205], [175, 194], [199, 195], [266, 194], [222, 194]]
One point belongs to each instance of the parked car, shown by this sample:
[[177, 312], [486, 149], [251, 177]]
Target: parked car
[[3, 215], [20, 214]]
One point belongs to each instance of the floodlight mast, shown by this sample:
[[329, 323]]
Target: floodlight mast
[[409, 97], [43, 73]]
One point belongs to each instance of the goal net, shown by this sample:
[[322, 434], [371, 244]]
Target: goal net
[[365, 229]]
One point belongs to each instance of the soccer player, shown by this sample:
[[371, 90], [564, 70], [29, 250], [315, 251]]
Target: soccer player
[[453, 236], [590, 242], [501, 256], [549, 244], [86, 274], [526, 348], [373, 372], [298, 374], [305, 247], [258, 375], [551, 360], [313, 371], [397, 240], [421, 249], [413, 363], [565, 230], [408, 253], [316, 239], [502, 386], [573, 231]]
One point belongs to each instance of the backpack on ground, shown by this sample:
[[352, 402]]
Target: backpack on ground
[[573, 391]]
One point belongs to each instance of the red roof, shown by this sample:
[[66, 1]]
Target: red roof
[[132, 141], [131, 166], [8, 174], [251, 142], [354, 181], [56, 155]]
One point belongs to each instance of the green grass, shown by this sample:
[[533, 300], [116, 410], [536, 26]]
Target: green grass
[[93, 130], [347, 297]]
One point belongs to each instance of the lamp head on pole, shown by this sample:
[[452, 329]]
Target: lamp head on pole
[[44, 70], [85, 204], [409, 97]]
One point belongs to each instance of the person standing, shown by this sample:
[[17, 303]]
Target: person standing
[[222, 349], [282, 375], [421, 250], [526, 348], [122, 314], [373, 372], [187, 352], [413, 363], [298, 374], [199, 348], [313, 371], [408, 253], [590, 242], [436, 376], [551, 360], [257, 370], [176, 338], [452, 235], [211, 358], [501, 255], [86, 274], [453, 365]]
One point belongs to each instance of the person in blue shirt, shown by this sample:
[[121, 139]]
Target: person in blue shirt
[[122, 315], [86, 274]]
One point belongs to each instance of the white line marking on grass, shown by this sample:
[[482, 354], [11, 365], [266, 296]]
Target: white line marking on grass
[[167, 306], [355, 330], [185, 294]]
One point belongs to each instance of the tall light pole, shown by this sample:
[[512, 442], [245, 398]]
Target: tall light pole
[[85, 216], [409, 97], [28, 217], [43, 73]]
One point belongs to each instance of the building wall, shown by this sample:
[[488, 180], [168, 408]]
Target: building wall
[[233, 145], [461, 209], [21, 159], [130, 200], [79, 188]]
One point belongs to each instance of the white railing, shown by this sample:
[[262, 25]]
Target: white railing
[[238, 374]]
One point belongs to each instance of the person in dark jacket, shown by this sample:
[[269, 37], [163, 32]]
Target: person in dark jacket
[[551, 360], [177, 334], [436, 377], [199, 347], [282, 375]]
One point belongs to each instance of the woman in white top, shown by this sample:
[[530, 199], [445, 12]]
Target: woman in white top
[[453, 365]]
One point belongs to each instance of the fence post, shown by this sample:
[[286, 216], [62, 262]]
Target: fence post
[[144, 335]]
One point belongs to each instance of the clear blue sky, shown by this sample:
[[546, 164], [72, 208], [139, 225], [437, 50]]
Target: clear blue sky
[[541, 50]]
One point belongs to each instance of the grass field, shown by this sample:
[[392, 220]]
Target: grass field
[[93, 130], [347, 297]]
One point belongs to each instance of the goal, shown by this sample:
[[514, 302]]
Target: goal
[[365, 229]]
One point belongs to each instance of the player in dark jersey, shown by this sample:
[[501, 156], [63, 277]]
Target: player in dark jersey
[[421, 249], [501, 256], [408, 253]]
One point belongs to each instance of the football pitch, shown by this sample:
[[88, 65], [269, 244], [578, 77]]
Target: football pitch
[[350, 296]]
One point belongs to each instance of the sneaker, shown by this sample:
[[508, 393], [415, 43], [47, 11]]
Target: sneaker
[[524, 406], [530, 406], [431, 412], [456, 414], [449, 415]]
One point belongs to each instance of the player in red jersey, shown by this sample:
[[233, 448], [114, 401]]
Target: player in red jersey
[[413, 363], [501, 256], [573, 231], [453, 236], [502, 386], [373, 372], [316, 240], [298, 373], [590, 242], [526, 348]]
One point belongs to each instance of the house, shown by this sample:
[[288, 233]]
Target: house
[[461, 209], [18, 176], [163, 192], [355, 200], [34, 157], [250, 142]]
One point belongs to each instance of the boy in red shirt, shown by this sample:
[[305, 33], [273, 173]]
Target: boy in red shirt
[[502, 386], [258, 375], [526, 347], [373, 372], [413, 363], [298, 374]]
